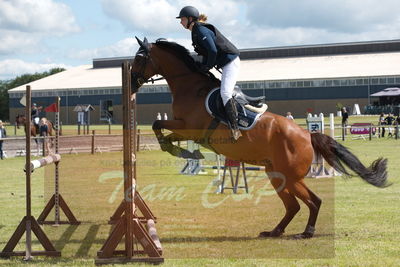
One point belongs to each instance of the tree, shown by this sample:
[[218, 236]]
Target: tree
[[18, 81]]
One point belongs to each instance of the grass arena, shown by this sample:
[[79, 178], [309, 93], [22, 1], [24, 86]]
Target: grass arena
[[357, 226]]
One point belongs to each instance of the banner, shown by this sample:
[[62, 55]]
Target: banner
[[362, 128], [51, 108]]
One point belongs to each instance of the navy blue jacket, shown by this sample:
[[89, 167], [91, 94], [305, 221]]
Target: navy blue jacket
[[215, 48]]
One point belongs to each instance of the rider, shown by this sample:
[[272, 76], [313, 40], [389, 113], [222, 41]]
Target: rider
[[35, 115], [217, 51]]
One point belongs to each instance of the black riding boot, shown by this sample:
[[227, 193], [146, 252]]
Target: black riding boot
[[231, 111]]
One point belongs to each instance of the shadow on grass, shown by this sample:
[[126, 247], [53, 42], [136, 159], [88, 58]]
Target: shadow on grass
[[88, 241], [65, 237], [191, 239]]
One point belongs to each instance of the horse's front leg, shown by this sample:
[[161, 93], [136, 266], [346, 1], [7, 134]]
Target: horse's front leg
[[177, 127]]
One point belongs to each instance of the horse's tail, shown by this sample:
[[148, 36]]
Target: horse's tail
[[336, 154]]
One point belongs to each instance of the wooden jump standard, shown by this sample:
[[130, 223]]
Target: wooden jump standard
[[57, 201], [127, 222], [29, 223]]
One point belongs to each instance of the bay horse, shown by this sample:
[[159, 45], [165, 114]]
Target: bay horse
[[21, 120], [284, 148]]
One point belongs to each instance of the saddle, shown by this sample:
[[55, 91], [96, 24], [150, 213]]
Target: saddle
[[249, 108]]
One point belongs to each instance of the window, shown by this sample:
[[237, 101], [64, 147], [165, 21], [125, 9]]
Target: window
[[299, 84]]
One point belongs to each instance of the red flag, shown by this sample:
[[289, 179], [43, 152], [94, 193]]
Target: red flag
[[51, 108]]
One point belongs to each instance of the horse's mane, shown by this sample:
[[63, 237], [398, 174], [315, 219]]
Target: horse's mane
[[184, 54]]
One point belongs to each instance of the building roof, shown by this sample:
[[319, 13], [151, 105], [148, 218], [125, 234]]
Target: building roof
[[392, 91], [325, 65]]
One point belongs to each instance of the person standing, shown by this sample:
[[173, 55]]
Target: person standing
[[289, 116], [389, 121], [3, 134], [219, 52], [44, 132], [382, 122], [345, 117]]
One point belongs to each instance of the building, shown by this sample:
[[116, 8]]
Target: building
[[299, 79]]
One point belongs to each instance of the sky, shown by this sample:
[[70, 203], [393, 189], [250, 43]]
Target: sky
[[37, 35]]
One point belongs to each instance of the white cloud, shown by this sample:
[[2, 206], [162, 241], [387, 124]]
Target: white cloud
[[12, 42], [260, 23], [150, 16], [158, 17], [122, 48], [125, 47], [10, 68], [37, 16], [336, 16], [25, 23]]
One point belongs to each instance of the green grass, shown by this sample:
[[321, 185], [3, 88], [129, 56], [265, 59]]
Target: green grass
[[358, 224], [117, 128]]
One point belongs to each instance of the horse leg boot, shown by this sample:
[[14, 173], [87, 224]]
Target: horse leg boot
[[231, 112], [313, 202]]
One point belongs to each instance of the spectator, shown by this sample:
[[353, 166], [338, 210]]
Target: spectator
[[44, 131], [382, 122], [345, 117], [289, 116], [389, 121], [165, 116], [159, 116], [3, 134]]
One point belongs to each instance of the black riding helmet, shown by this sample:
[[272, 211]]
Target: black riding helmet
[[188, 11]]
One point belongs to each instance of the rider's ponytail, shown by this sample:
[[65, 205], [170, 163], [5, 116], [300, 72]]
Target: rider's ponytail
[[202, 18]]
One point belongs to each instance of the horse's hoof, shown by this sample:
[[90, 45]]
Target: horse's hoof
[[304, 235], [273, 233]]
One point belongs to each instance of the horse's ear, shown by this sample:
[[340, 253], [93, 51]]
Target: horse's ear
[[143, 44], [139, 42]]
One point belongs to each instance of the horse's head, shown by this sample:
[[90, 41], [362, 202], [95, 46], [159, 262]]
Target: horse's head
[[143, 66]]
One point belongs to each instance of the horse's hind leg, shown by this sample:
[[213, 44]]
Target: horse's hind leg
[[291, 204], [313, 202]]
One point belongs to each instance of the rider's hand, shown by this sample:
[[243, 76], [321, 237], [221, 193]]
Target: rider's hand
[[204, 68]]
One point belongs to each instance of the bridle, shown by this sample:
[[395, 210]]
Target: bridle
[[138, 78]]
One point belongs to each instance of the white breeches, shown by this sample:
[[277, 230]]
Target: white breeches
[[228, 80]]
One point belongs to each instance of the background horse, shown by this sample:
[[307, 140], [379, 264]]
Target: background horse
[[21, 120], [284, 148]]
